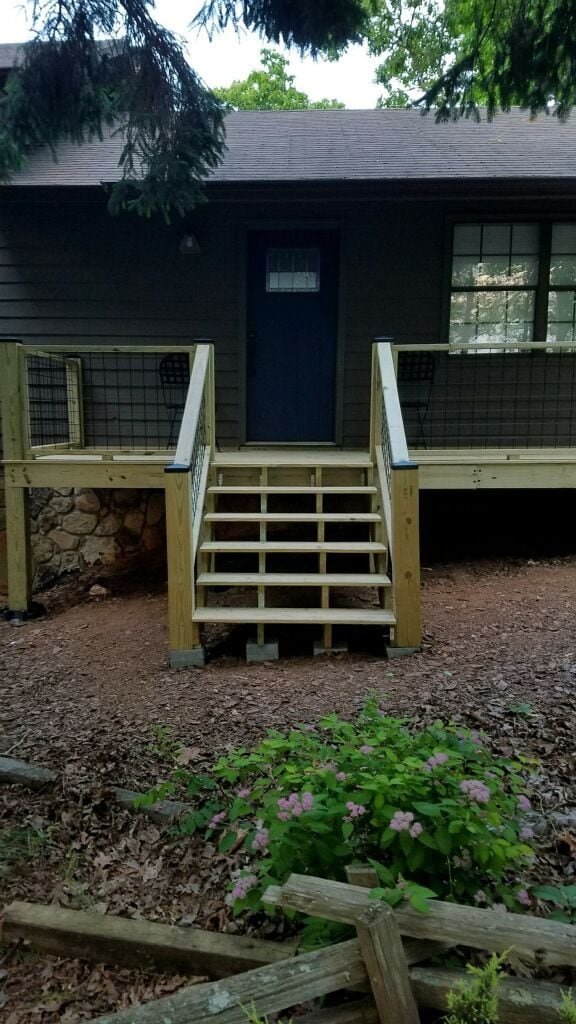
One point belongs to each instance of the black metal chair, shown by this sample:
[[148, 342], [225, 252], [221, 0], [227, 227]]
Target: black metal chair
[[415, 380], [174, 370]]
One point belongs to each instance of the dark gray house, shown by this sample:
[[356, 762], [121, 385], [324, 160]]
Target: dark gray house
[[323, 231]]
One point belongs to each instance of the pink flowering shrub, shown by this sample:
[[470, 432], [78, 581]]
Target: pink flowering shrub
[[432, 809]]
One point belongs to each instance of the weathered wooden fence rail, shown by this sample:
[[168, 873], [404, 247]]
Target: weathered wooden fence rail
[[384, 959]]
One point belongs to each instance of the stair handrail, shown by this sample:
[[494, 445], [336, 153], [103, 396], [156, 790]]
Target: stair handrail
[[186, 487], [197, 425], [397, 484]]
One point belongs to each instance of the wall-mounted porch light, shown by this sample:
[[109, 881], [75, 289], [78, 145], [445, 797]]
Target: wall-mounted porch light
[[189, 246]]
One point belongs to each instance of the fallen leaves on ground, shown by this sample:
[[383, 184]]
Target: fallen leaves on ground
[[82, 689]]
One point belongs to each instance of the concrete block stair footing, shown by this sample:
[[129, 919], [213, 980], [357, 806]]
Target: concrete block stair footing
[[194, 658], [338, 647], [300, 538], [267, 651], [400, 652]]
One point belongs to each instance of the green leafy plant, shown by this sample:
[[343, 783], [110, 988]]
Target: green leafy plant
[[476, 1001], [561, 897], [431, 809], [163, 742], [567, 1011]]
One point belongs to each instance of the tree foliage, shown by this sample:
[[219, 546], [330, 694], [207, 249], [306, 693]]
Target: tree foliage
[[464, 54], [458, 53], [71, 86], [312, 26], [269, 87]]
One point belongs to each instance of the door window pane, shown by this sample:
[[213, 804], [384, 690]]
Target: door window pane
[[293, 270]]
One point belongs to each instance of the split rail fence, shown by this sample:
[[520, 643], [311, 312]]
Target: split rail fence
[[382, 975]]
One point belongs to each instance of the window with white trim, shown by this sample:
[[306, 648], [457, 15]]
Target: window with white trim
[[513, 282], [495, 273]]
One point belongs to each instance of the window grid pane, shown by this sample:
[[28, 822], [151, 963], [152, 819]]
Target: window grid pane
[[561, 316], [485, 317], [293, 270], [494, 276], [495, 254]]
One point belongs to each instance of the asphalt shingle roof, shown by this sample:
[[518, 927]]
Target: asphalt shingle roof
[[10, 54], [344, 145]]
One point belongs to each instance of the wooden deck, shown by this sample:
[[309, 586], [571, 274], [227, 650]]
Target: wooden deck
[[495, 468], [284, 525]]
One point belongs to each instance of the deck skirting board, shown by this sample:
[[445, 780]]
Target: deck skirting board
[[503, 475]]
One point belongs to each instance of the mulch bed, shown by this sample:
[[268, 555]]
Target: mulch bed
[[82, 689]]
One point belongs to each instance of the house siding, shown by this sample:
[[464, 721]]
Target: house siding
[[70, 273]]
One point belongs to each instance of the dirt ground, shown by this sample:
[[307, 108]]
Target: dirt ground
[[82, 689]]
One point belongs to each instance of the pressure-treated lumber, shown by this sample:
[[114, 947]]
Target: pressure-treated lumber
[[15, 441], [293, 579], [552, 941], [80, 471], [184, 633], [360, 489], [299, 616], [289, 546], [405, 555], [292, 517], [270, 989], [193, 407], [307, 456], [143, 944], [383, 953]]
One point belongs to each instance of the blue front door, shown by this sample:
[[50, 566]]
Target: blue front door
[[292, 283]]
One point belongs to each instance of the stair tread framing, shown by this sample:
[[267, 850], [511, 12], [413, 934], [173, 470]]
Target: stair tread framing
[[292, 517], [301, 547], [289, 457], [360, 490], [293, 579], [298, 616], [265, 475]]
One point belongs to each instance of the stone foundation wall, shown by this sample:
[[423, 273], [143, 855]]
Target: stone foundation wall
[[76, 528]]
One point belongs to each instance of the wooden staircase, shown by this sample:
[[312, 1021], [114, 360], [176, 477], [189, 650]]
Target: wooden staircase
[[312, 536], [292, 537]]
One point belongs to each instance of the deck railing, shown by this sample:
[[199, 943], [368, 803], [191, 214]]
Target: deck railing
[[100, 399], [397, 483], [492, 396], [186, 485]]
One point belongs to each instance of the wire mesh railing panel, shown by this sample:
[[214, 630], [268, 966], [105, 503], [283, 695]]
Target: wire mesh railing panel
[[48, 407], [198, 453], [386, 446], [122, 400], [489, 399]]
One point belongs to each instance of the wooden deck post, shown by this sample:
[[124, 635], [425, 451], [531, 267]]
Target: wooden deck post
[[406, 559], [184, 634], [17, 515]]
